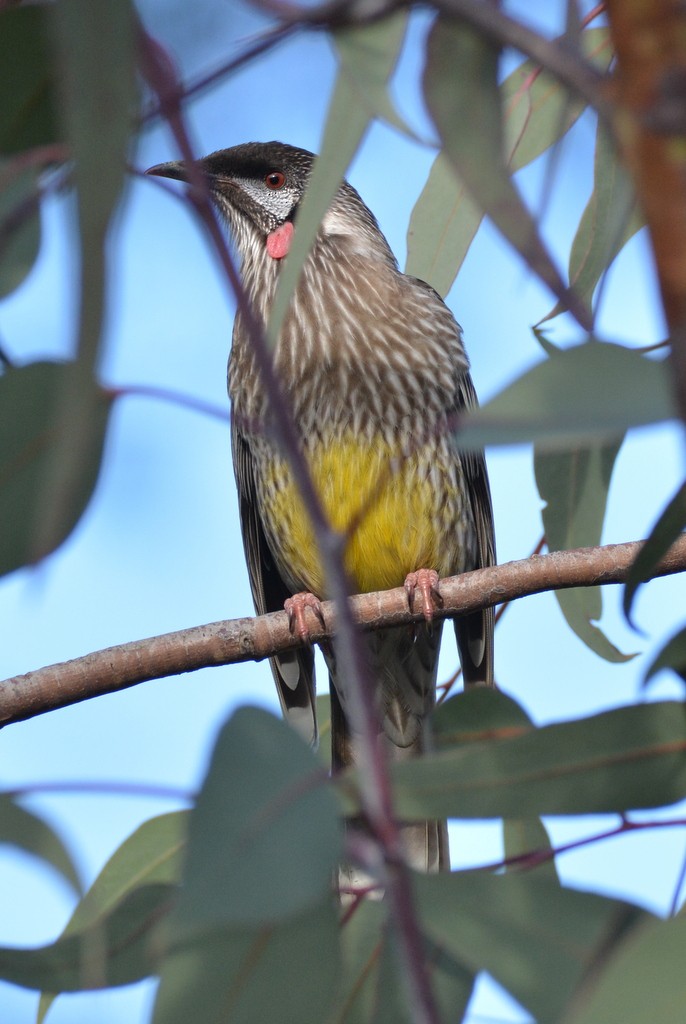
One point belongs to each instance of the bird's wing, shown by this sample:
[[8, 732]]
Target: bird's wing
[[475, 632], [293, 670]]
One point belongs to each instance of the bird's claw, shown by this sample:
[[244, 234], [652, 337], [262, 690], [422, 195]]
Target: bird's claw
[[426, 582], [295, 610]]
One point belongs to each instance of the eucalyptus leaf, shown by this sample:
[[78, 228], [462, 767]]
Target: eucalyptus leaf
[[94, 47], [537, 112], [28, 77], [286, 972], [151, 855], [538, 939], [593, 391], [30, 448], [264, 836], [609, 220], [118, 949], [462, 94], [672, 655], [28, 832], [20, 230], [643, 980], [574, 486], [628, 758], [373, 986], [663, 534]]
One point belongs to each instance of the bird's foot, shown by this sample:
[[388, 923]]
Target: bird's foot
[[426, 582], [295, 610]]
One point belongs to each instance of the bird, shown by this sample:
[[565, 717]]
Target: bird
[[374, 369]]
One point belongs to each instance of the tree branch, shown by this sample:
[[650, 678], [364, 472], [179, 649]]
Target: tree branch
[[252, 639]]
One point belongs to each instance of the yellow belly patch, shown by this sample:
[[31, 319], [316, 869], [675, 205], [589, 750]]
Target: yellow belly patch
[[399, 514]]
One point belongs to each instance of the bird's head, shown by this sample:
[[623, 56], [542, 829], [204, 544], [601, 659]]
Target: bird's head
[[258, 187]]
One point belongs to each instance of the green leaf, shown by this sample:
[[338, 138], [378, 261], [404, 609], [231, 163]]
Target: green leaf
[[373, 986], [286, 972], [592, 391], [663, 534], [493, 714], [30, 446], [537, 108], [94, 43], [536, 938], [372, 50], [264, 837], [536, 113], [644, 979], [367, 57], [442, 226], [609, 220], [19, 224], [574, 486], [631, 757], [118, 949], [672, 655], [151, 855], [527, 842], [28, 832], [489, 713], [461, 91], [28, 113]]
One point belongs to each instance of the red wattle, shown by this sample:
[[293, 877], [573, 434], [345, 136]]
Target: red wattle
[[279, 241]]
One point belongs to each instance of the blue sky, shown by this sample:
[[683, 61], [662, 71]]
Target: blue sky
[[159, 547]]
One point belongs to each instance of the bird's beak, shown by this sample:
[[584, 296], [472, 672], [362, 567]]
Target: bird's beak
[[174, 169]]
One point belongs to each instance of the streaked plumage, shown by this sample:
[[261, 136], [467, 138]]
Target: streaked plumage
[[374, 367]]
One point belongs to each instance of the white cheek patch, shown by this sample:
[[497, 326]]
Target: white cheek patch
[[335, 223]]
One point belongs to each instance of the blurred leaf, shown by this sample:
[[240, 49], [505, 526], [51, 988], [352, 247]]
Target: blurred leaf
[[595, 390], [19, 225], [608, 222], [528, 838], [492, 714], [537, 111], [286, 973], [364, 58], [442, 226], [644, 979], [94, 44], [28, 113], [662, 536], [672, 655], [29, 444], [28, 832], [264, 836], [539, 940], [488, 714], [373, 50], [461, 91], [118, 949], [152, 854], [631, 757], [373, 988], [574, 486]]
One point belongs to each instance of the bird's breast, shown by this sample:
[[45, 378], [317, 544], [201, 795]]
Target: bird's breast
[[398, 511]]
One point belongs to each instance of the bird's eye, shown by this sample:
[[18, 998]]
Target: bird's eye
[[275, 180]]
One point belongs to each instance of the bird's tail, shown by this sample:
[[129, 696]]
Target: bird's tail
[[403, 663]]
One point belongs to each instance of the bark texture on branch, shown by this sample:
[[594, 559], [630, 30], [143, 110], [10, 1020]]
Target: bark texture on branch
[[252, 639], [650, 122]]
